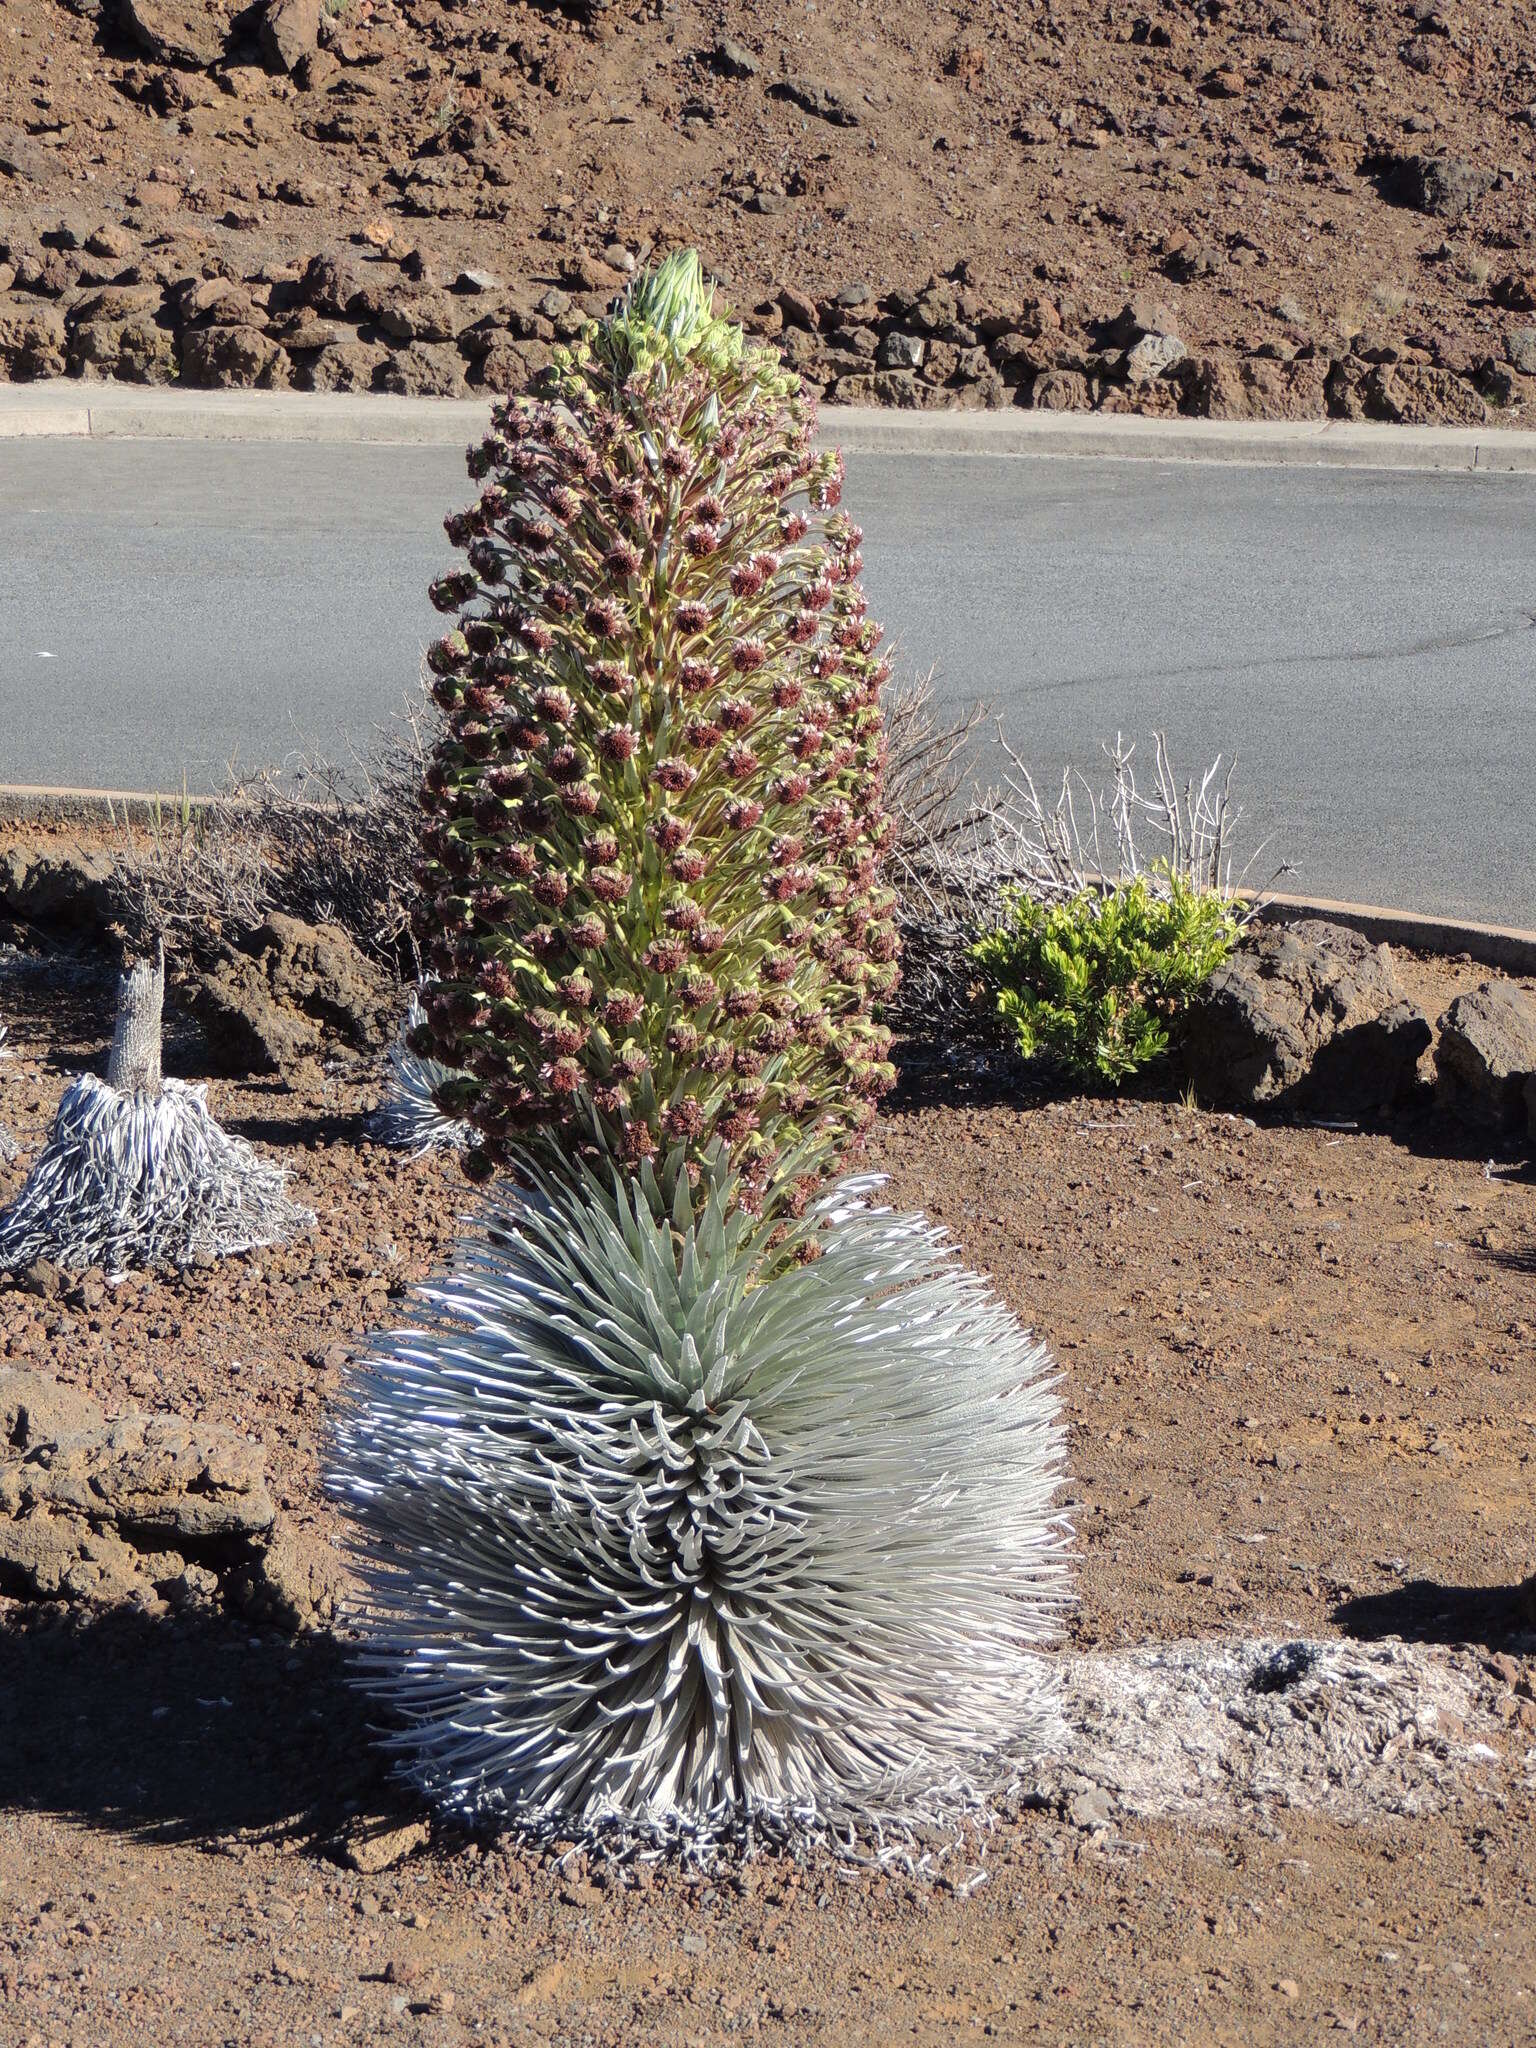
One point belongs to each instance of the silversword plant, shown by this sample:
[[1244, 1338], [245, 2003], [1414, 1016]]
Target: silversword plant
[[411, 1115], [659, 1555], [707, 1504]]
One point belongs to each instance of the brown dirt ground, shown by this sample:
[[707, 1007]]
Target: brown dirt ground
[[1298, 1366], [1051, 158]]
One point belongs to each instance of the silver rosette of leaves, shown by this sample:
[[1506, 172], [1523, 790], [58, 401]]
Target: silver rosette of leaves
[[137, 1171], [660, 1552], [410, 1115]]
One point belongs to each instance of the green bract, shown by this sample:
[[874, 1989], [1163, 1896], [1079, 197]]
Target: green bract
[[653, 822], [1093, 982], [666, 316]]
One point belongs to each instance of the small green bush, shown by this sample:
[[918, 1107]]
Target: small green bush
[[1093, 982]]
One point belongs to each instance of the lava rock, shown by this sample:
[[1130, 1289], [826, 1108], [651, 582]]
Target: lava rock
[[240, 356], [734, 60], [290, 31], [316, 71], [1141, 316], [1485, 1062], [291, 988], [423, 369], [338, 289], [901, 352], [32, 339], [99, 1511], [188, 33], [1442, 186], [74, 887], [373, 1843], [1152, 355], [147, 1510], [419, 313], [819, 100], [293, 1582], [1309, 1015], [799, 309]]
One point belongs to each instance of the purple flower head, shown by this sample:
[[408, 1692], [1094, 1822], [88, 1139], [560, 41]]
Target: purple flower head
[[554, 704], [682, 914], [668, 830], [609, 884], [665, 954], [674, 775]]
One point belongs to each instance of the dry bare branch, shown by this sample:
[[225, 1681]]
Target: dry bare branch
[[332, 843]]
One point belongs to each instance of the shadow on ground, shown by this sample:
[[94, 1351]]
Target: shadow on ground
[[290, 1133], [1514, 1258], [1424, 1611], [930, 1076], [181, 1729]]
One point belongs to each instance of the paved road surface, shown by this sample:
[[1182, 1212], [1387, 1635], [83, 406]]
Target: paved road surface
[[1363, 640]]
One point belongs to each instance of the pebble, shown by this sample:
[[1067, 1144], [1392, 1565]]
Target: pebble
[[734, 59]]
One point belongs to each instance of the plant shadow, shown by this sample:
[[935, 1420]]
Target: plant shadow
[[1513, 1258], [183, 1729], [931, 1076], [288, 1133], [1424, 1611]]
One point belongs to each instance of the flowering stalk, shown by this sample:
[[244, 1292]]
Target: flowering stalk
[[651, 830]]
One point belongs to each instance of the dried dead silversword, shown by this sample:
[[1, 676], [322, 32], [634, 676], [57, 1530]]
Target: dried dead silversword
[[136, 1171], [664, 1554]]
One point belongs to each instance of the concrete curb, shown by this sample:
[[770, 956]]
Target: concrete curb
[[69, 409], [1504, 947]]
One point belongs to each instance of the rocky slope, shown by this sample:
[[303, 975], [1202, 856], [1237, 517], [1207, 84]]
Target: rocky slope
[[1216, 207]]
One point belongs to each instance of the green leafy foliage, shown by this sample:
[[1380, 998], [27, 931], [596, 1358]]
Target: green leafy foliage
[[653, 823], [1093, 983]]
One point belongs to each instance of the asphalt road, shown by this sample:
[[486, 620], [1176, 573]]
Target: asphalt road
[[1362, 640]]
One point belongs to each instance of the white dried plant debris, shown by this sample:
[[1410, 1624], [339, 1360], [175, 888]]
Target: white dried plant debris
[[663, 1553], [1182, 832], [8, 1146], [1210, 1731], [137, 1171], [410, 1116]]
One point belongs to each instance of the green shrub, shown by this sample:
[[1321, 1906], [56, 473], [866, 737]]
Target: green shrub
[[653, 822], [1093, 983]]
